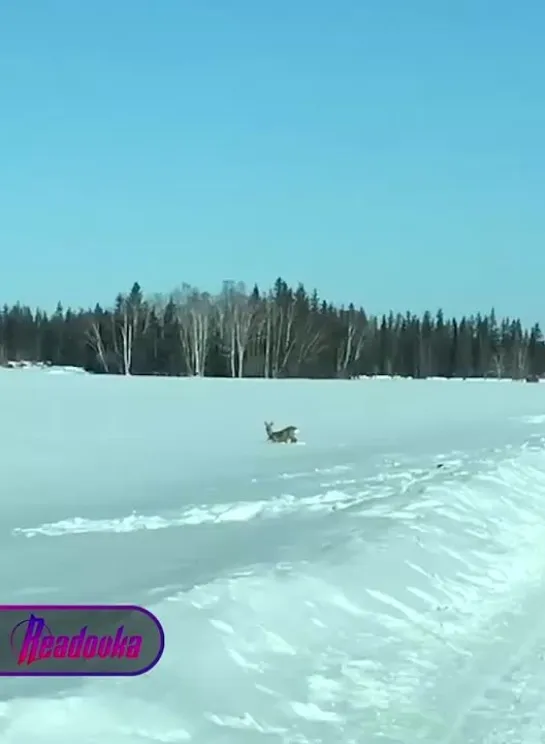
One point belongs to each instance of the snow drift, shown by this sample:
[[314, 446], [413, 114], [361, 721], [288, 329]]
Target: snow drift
[[383, 583]]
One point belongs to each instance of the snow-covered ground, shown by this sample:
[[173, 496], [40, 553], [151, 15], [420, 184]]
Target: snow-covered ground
[[346, 589]]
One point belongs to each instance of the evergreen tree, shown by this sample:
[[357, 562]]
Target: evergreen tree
[[283, 332]]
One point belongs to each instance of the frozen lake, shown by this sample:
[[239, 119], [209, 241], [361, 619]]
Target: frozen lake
[[383, 580]]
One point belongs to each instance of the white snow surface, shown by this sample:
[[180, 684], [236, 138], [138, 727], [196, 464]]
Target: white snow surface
[[345, 590]]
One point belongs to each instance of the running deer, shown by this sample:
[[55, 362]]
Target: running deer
[[286, 435]]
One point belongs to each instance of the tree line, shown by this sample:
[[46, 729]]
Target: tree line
[[279, 333]]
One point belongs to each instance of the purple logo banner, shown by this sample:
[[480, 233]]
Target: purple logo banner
[[78, 640]]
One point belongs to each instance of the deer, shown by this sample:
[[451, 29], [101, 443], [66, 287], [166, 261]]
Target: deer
[[282, 436]]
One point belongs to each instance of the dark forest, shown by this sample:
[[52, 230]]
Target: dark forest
[[280, 333]]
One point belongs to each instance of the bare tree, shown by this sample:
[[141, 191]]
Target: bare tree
[[353, 339], [520, 361], [244, 317], [126, 327], [267, 332], [283, 327], [224, 313], [130, 319], [259, 348], [236, 316], [499, 362], [158, 303], [95, 340], [193, 311], [309, 341]]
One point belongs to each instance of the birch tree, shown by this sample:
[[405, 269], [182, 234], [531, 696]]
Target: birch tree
[[309, 342], [243, 311], [260, 340], [282, 327], [94, 337], [127, 333], [130, 312], [354, 326], [225, 318], [193, 312]]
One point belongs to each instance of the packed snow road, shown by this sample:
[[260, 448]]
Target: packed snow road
[[381, 581]]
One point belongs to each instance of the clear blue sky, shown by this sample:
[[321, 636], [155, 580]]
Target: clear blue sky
[[387, 152]]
